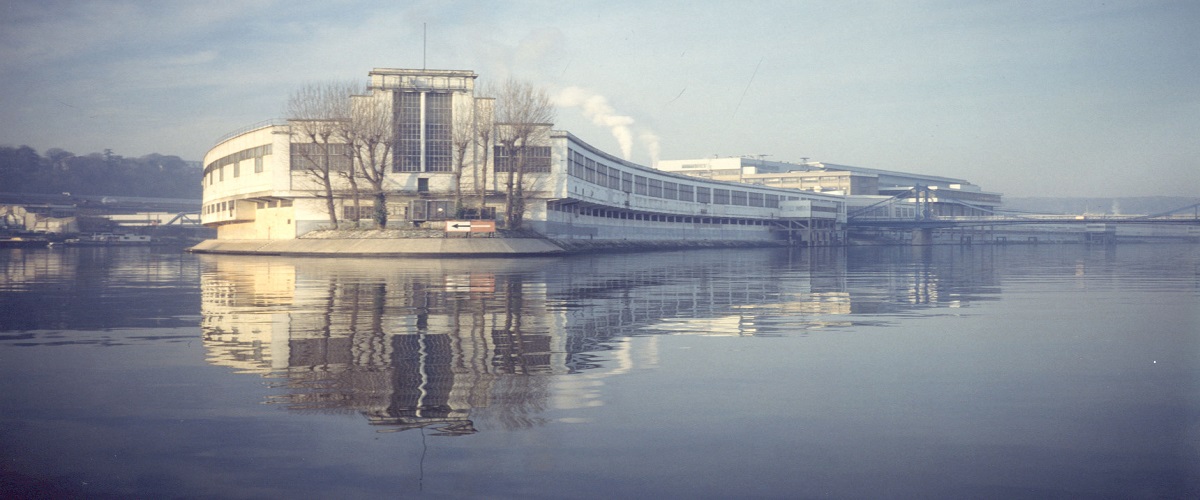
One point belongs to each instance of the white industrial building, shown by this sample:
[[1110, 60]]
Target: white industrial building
[[257, 186]]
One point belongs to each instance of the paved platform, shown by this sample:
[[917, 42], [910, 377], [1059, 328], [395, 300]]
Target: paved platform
[[385, 247]]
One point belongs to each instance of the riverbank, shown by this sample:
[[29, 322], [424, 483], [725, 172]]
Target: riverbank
[[430, 243], [436, 243], [384, 247]]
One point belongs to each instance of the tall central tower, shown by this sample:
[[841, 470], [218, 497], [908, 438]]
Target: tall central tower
[[425, 104]]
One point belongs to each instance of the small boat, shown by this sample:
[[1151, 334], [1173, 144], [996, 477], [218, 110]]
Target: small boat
[[23, 242]]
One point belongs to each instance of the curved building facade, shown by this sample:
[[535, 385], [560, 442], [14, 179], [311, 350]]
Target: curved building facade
[[258, 184]]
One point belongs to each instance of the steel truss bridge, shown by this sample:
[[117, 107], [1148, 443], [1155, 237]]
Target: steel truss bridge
[[186, 212], [922, 196]]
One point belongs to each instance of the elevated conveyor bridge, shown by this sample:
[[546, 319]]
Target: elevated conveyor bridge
[[926, 218]]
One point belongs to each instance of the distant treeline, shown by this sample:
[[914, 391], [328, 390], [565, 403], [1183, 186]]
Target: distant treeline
[[23, 170]]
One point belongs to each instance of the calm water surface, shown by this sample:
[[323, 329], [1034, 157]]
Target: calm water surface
[[948, 372]]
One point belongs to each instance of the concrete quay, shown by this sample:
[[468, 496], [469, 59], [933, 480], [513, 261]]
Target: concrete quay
[[385, 247], [426, 243]]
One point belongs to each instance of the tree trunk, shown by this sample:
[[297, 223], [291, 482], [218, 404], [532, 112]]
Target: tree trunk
[[329, 205], [458, 198], [518, 213], [327, 180], [355, 194], [381, 213], [509, 197]]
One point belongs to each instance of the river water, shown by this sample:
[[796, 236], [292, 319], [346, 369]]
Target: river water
[[892, 372]]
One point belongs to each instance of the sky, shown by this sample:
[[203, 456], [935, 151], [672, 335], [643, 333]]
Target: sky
[[1025, 98]]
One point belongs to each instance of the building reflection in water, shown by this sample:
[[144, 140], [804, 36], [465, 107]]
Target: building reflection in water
[[408, 344], [447, 344]]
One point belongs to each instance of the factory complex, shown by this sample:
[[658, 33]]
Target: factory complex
[[449, 176]]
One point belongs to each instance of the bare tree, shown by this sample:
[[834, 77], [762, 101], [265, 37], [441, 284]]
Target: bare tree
[[485, 127], [521, 111], [347, 132], [316, 112], [370, 138], [462, 139]]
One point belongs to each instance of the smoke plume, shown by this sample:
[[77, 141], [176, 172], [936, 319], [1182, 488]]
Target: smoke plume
[[650, 141], [595, 107]]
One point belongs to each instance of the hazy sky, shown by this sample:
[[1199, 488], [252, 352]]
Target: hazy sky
[[1031, 98]]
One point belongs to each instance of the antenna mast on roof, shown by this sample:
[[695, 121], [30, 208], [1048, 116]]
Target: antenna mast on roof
[[424, 43]]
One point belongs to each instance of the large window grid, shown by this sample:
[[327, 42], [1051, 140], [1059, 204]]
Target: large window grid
[[438, 130], [438, 151], [408, 132]]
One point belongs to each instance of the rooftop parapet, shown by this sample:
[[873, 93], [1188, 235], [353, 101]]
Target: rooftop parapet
[[422, 79]]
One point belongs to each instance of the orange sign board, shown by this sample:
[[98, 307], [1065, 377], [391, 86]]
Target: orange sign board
[[470, 226], [483, 226]]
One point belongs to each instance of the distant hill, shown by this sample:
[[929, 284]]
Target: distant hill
[[23, 170], [1134, 205]]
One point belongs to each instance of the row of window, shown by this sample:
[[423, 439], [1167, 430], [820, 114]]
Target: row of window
[[898, 212], [802, 180], [653, 217], [589, 170], [213, 208], [215, 171], [312, 156], [537, 159], [223, 206], [319, 156], [245, 154]]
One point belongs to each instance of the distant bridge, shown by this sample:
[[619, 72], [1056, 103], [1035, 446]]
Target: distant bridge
[[925, 217], [124, 210]]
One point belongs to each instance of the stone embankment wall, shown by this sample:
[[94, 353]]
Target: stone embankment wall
[[385, 243], [583, 246], [437, 243]]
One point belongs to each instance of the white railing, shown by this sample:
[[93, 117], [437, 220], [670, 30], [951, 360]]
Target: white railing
[[248, 128]]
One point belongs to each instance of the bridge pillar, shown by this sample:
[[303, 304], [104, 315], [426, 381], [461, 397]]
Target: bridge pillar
[[922, 236]]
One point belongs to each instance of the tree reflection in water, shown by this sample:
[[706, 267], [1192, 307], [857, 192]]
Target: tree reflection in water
[[410, 347], [444, 344]]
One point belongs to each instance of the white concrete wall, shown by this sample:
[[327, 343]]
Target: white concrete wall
[[274, 180], [242, 214]]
